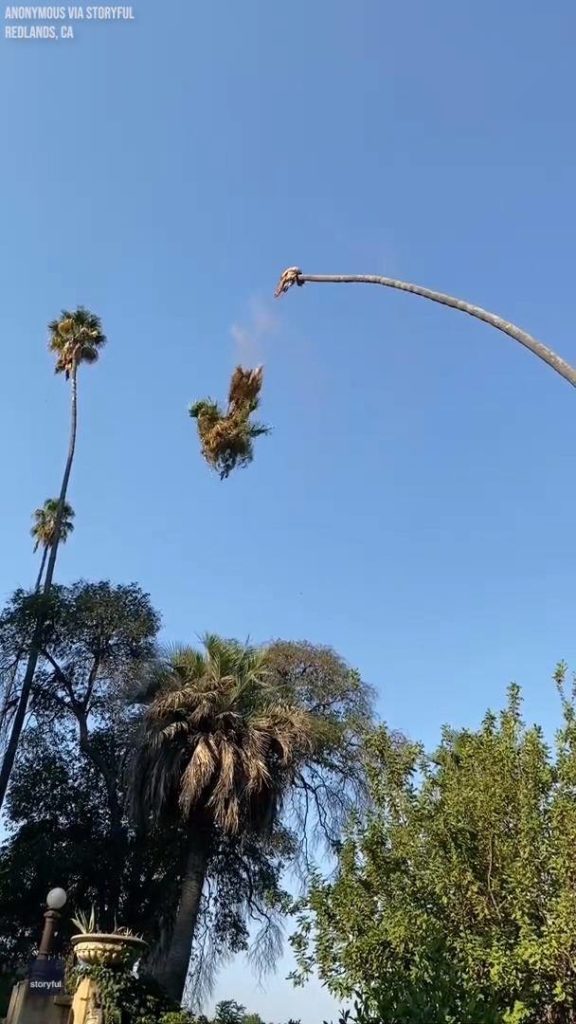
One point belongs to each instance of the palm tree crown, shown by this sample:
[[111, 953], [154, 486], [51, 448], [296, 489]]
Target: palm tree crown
[[233, 740], [219, 743], [43, 530], [76, 337]]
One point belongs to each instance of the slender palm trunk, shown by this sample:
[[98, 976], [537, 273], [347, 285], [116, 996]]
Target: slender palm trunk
[[8, 693], [41, 569], [172, 971], [19, 717], [294, 276]]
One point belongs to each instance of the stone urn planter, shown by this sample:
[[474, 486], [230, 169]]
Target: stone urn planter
[[100, 950]]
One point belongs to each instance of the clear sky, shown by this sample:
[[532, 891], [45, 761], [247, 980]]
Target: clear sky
[[414, 506]]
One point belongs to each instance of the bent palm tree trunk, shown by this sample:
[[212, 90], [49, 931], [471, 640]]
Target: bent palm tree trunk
[[20, 715], [173, 969], [293, 275]]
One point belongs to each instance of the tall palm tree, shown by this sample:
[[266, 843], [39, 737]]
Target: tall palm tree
[[294, 276], [44, 529], [43, 533], [220, 748], [75, 338]]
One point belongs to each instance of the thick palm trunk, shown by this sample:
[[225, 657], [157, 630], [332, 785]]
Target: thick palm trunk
[[19, 717], [173, 968], [295, 276]]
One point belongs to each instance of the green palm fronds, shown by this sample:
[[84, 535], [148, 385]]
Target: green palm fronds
[[45, 518], [76, 337]]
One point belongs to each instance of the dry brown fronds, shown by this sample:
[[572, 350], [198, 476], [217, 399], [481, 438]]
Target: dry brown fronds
[[245, 387], [227, 438], [224, 744], [196, 778], [289, 277]]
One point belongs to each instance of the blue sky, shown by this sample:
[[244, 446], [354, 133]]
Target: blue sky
[[414, 506]]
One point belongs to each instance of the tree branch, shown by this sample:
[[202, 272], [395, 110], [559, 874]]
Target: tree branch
[[91, 681], [60, 675]]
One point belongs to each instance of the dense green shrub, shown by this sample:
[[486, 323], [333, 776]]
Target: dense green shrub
[[455, 898]]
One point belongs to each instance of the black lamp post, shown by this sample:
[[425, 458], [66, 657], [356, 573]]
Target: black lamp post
[[54, 902]]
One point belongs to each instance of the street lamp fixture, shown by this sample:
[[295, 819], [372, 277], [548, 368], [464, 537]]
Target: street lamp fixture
[[55, 901]]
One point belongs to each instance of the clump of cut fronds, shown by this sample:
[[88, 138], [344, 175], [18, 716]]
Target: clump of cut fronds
[[227, 436]]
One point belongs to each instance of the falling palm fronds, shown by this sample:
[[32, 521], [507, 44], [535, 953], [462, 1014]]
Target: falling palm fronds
[[227, 437]]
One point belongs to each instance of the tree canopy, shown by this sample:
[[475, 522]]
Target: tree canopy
[[455, 899], [246, 748], [67, 813], [75, 337]]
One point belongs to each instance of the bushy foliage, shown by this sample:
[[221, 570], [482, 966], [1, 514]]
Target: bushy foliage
[[75, 337], [67, 820], [455, 899]]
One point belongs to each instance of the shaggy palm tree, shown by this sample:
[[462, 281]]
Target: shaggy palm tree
[[75, 338], [43, 533], [294, 276], [44, 529], [220, 749], [227, 437]]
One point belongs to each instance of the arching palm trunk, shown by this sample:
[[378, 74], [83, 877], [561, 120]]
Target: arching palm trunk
[[172, 970], [19, 717], [293, 275]]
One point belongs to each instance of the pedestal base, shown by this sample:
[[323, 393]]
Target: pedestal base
[[86, 1004], [31, 1008]]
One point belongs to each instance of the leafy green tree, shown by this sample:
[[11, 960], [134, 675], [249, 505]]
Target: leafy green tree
[[234, 739], [61, 832], [66, 812], [228, 1011], [455, 899], [94, 636], [75, 338]]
